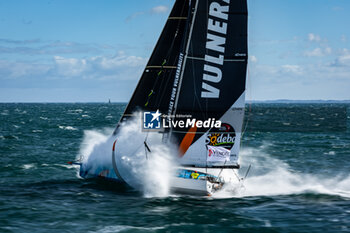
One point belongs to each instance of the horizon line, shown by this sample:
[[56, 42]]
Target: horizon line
[[122, 102]]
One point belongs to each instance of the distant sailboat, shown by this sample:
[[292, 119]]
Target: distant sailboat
[[196, 75]]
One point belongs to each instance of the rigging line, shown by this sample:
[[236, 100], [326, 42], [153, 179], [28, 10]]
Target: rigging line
[[147, 149], [184, 61], [222, 169], [237, 176], [247, 172], [250, 105], [146, 153]]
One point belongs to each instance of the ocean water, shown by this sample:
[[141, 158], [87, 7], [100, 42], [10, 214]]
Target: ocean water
[[299, 181]]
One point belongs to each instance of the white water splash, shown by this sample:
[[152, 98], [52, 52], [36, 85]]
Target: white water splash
[[95, 151], [144, 171], [270, 176], [150, 172]]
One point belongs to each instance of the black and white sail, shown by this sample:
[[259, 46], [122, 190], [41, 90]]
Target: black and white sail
[[198, 70], [154, 88]]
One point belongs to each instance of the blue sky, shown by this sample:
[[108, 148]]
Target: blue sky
[[90, 51]]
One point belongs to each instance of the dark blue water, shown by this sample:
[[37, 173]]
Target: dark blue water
[[300, 156]]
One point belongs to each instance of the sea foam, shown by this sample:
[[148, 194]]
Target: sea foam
[[270, 177]]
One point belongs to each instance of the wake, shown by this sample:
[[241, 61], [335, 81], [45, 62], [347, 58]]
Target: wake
[[270, 177]]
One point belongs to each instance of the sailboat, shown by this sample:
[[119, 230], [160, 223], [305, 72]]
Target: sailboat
[[192, 93]]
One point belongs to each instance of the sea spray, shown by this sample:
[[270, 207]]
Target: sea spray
[[149, 172], [95, 151], [270, 176], [141, 169]]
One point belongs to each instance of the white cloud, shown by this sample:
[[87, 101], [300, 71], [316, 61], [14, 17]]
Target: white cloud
[[121, 60], [322, 80], [119, 67], [343, 38], [343, 60], [318, 52], [328, 50], [70, 67], [155, 10], [313, 37], [133, 16], [13, 70], [253, 59], [294, 69], [159, 9]]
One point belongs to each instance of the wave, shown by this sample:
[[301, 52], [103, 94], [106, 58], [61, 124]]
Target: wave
[[37, 131], [126, 228], [67, 127], [28, 166], [270, 177], [3, 137]]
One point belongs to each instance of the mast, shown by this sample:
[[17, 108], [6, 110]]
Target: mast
[[173, 112]]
